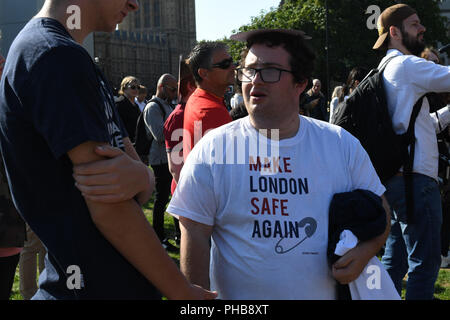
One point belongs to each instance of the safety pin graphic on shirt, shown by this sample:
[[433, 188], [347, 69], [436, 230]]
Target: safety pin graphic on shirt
[[310, 229]]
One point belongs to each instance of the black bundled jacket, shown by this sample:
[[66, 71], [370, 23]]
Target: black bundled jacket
[[362, 213]]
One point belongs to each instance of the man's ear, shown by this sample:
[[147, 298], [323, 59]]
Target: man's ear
[[395, 33], [203, 73], [191, 87]]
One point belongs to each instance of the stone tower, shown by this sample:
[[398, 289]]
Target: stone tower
[[172, 20]]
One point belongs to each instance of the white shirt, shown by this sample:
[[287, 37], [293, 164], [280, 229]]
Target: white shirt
[[141, 105], [406, 79], [270, 222], [236, 100]]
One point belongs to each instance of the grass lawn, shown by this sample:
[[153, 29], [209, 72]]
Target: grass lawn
[[442, 287]]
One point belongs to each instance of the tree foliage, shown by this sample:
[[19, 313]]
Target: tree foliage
[[350, 40]]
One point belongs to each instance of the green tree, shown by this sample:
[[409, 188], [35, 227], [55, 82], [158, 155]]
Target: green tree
[[350, 40]]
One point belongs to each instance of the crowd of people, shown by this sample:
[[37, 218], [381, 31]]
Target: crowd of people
[[250, 186]]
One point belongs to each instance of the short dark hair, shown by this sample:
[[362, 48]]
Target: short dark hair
[[201, 56], [356, 74], [186, 78], [301, 55]]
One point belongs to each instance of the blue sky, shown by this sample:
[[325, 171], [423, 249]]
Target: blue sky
[[217, 18]]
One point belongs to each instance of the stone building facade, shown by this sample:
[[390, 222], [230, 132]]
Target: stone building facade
[[148, 42]]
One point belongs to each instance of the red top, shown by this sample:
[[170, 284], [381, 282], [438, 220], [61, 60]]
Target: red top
[[206, 111], [174, 122]]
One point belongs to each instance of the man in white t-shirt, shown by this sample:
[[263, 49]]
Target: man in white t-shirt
[[413, 246], [260, 187]]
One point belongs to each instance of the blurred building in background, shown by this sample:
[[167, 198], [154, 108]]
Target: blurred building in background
[[146, 44]]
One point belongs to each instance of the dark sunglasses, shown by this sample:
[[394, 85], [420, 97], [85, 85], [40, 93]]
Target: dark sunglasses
[[224, 64], [133, 87]]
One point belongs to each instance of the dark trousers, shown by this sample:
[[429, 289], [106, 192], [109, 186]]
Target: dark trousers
[[445, 230], [8, 267], [163, 179]]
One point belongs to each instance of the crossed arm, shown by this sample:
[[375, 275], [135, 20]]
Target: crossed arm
[[123, 223]]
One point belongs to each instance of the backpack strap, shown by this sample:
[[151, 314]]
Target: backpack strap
[[410, 140], [161, 108], [379, 70], [384, 65]]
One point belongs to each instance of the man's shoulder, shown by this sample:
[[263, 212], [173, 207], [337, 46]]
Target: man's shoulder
[[400, 61], [158, 105], [228, 131], [202, 99], [175, 119], [42, 38], [325, 129]]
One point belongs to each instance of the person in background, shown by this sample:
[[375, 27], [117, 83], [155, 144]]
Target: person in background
[[356, 75], [213, 69], [438, 101], [141, 99], [336, 98], [315, 103], [173, 132], [126, 106], [413, 245], [31, 260], [155, 114], [238, 109]]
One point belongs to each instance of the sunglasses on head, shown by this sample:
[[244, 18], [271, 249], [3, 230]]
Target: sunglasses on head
[[224, 64]]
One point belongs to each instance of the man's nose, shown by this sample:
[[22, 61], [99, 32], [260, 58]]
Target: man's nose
[[257, 78], [422, 29], [133, 5]]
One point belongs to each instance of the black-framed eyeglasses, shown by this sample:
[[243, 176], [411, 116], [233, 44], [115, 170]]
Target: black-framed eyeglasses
[[224, 64], [268, 75]]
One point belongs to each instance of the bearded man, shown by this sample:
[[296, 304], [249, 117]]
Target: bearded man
[[413, 245]]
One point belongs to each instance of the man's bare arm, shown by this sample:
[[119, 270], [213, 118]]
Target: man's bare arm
[[174, 168], [349, 267], [124, 225], [119, 176], [194, 251]]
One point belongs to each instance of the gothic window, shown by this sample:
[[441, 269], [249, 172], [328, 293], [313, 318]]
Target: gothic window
[[146, 8], [137, 21], [157, 13]]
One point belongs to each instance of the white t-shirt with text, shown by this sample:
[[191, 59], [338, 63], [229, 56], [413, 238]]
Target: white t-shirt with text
[[268, 202]]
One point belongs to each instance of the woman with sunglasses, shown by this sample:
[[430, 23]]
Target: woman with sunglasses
[[128, 110]]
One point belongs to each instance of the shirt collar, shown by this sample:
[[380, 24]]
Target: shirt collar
[[203, 91]]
